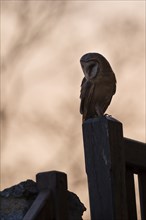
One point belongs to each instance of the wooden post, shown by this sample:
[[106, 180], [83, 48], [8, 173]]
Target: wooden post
[[56, 182], [41, 207], [105, 167], [142, 191], [131, 199]]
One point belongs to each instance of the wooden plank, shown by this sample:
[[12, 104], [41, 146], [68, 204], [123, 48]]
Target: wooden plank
[[37, 210], [47, 212], [104, 159], [131, 200], [57, 183], [142, 192], [135, 154]]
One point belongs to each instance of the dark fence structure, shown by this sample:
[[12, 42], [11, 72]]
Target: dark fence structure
[[51, 202], [111, 162]]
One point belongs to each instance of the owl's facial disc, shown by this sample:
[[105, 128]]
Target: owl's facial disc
[[90, 69]]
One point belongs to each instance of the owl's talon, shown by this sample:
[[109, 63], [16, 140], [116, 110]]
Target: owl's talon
[[107, 115]]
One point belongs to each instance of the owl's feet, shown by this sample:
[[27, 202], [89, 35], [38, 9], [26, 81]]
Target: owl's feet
[[107, 115]]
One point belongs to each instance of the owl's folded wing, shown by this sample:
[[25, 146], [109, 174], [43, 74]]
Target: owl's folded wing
[[85, 95], [107, 99]]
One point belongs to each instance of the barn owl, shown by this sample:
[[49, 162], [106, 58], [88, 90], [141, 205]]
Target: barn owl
[[97, 87]]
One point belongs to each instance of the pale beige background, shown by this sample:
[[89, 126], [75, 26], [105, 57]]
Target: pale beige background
[[41, 44]]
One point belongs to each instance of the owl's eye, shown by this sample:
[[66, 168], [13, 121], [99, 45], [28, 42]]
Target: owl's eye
[[93, 70], [92, 65]]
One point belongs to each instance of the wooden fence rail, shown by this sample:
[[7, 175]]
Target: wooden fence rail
[[111, 162], [135, 158]]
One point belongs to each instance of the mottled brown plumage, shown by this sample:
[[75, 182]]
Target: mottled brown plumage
[[98, 86]]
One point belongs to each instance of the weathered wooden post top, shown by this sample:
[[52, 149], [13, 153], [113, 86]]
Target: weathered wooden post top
[[111, 162], [104, 159]]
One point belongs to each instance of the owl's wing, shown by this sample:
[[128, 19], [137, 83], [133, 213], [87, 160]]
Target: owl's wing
[[85, 95], [105, 104], [108, 99]]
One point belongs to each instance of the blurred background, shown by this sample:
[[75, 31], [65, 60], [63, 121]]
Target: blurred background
[[41, 45]]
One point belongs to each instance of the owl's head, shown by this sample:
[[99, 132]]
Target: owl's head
[[93, 64]]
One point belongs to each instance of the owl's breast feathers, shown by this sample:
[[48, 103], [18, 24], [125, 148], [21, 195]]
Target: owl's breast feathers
[[97, 94]]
